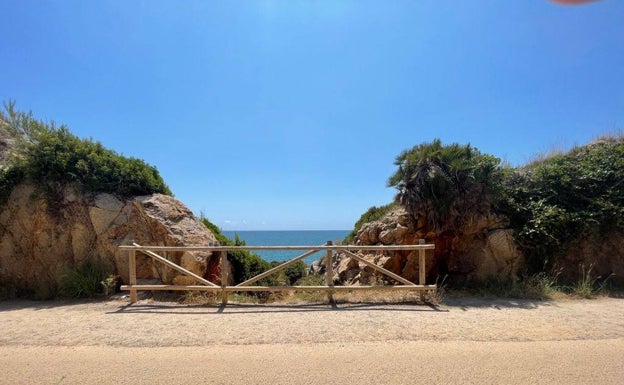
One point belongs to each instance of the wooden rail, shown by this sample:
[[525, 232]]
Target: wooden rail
[[329, 248]]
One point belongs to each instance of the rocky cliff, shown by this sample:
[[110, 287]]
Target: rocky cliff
[[485, 249], [39, 239]]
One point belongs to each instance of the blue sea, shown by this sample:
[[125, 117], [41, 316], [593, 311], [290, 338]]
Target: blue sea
[[288, 238]]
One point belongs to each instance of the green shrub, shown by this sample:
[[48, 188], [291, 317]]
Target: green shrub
[[53, 157], [569, 196], [295, 272], [311, 280], [588, 284], [448, 184], [550, 203], [244, 264], [9, 178], [86, 280]]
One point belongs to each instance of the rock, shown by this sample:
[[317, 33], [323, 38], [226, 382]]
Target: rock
[[483, 249], [347, 269], [108, 202], [603, 254], [36, 241], [317, 267], [500, 258]]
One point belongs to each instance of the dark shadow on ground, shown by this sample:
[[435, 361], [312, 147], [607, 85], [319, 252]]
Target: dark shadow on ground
[[20, 304], [241, 308], [466, 302]]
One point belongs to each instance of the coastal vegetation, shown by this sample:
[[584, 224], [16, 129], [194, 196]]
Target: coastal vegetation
[[449, 183], [246, 265], [550, 204], [555, 201], [51, 157]]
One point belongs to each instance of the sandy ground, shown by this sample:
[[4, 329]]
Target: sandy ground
[[464, 341]]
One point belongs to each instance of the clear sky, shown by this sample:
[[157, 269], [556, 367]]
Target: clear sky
[[289, 114]]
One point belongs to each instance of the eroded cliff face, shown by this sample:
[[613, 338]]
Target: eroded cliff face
[[484, 249], [39, 239]]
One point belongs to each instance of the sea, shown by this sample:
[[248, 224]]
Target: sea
[[288, 238]]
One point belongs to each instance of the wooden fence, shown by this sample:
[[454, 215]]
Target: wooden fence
[[329, 248]]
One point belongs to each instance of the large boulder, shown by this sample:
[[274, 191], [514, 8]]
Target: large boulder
[[39, 239], [484, 249]]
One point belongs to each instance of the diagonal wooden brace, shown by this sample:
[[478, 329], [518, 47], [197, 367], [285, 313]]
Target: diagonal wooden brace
[[175, 267], [379, 269]]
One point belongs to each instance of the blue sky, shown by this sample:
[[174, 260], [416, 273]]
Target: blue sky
[[289, 114]]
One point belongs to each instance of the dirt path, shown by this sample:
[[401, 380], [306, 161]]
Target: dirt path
[[464, 341]]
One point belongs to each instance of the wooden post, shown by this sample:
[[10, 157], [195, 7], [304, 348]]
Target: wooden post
[[132, 275], [224, 278], [329, 273], [421, 268]]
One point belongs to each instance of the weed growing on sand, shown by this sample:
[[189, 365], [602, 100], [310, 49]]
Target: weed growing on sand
[[111, 285], [308, 296], [588, 286], [539, 286], [436, 297], [544, 286]]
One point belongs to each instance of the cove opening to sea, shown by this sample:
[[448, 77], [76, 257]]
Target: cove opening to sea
[[288, 238]]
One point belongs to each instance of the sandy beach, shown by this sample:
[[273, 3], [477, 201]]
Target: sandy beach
[[465, 340]]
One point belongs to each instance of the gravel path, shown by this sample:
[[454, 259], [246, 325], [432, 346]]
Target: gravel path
[[466, 340]]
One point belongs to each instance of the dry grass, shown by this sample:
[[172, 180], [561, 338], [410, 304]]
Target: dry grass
[[303, 297]]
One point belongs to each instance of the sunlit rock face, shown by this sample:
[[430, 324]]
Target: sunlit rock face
[[483, 249], [40, 237]]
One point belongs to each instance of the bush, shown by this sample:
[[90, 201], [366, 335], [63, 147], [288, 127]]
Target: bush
[[447, 184], [311, 280], [563, 198], [9, 178], [550, 202], [53, 157], [295, 272], [86, 280], [244, 264]]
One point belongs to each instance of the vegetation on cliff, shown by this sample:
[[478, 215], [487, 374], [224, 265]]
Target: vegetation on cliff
[[449, 183], [549, 203], [565, 197], [246, 265], [51, 157]]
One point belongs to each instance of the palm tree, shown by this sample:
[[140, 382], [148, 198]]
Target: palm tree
[[445, 184]]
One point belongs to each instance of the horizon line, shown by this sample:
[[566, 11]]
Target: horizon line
[[293, 230]]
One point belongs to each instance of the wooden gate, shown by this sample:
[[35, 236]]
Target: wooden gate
[[329, 287]]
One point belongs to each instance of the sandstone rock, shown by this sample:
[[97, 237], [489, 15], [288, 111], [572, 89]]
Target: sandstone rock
[[483, 249], [37, 241], [603, 253], [108, 202], [501, 258], [317, 267]]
